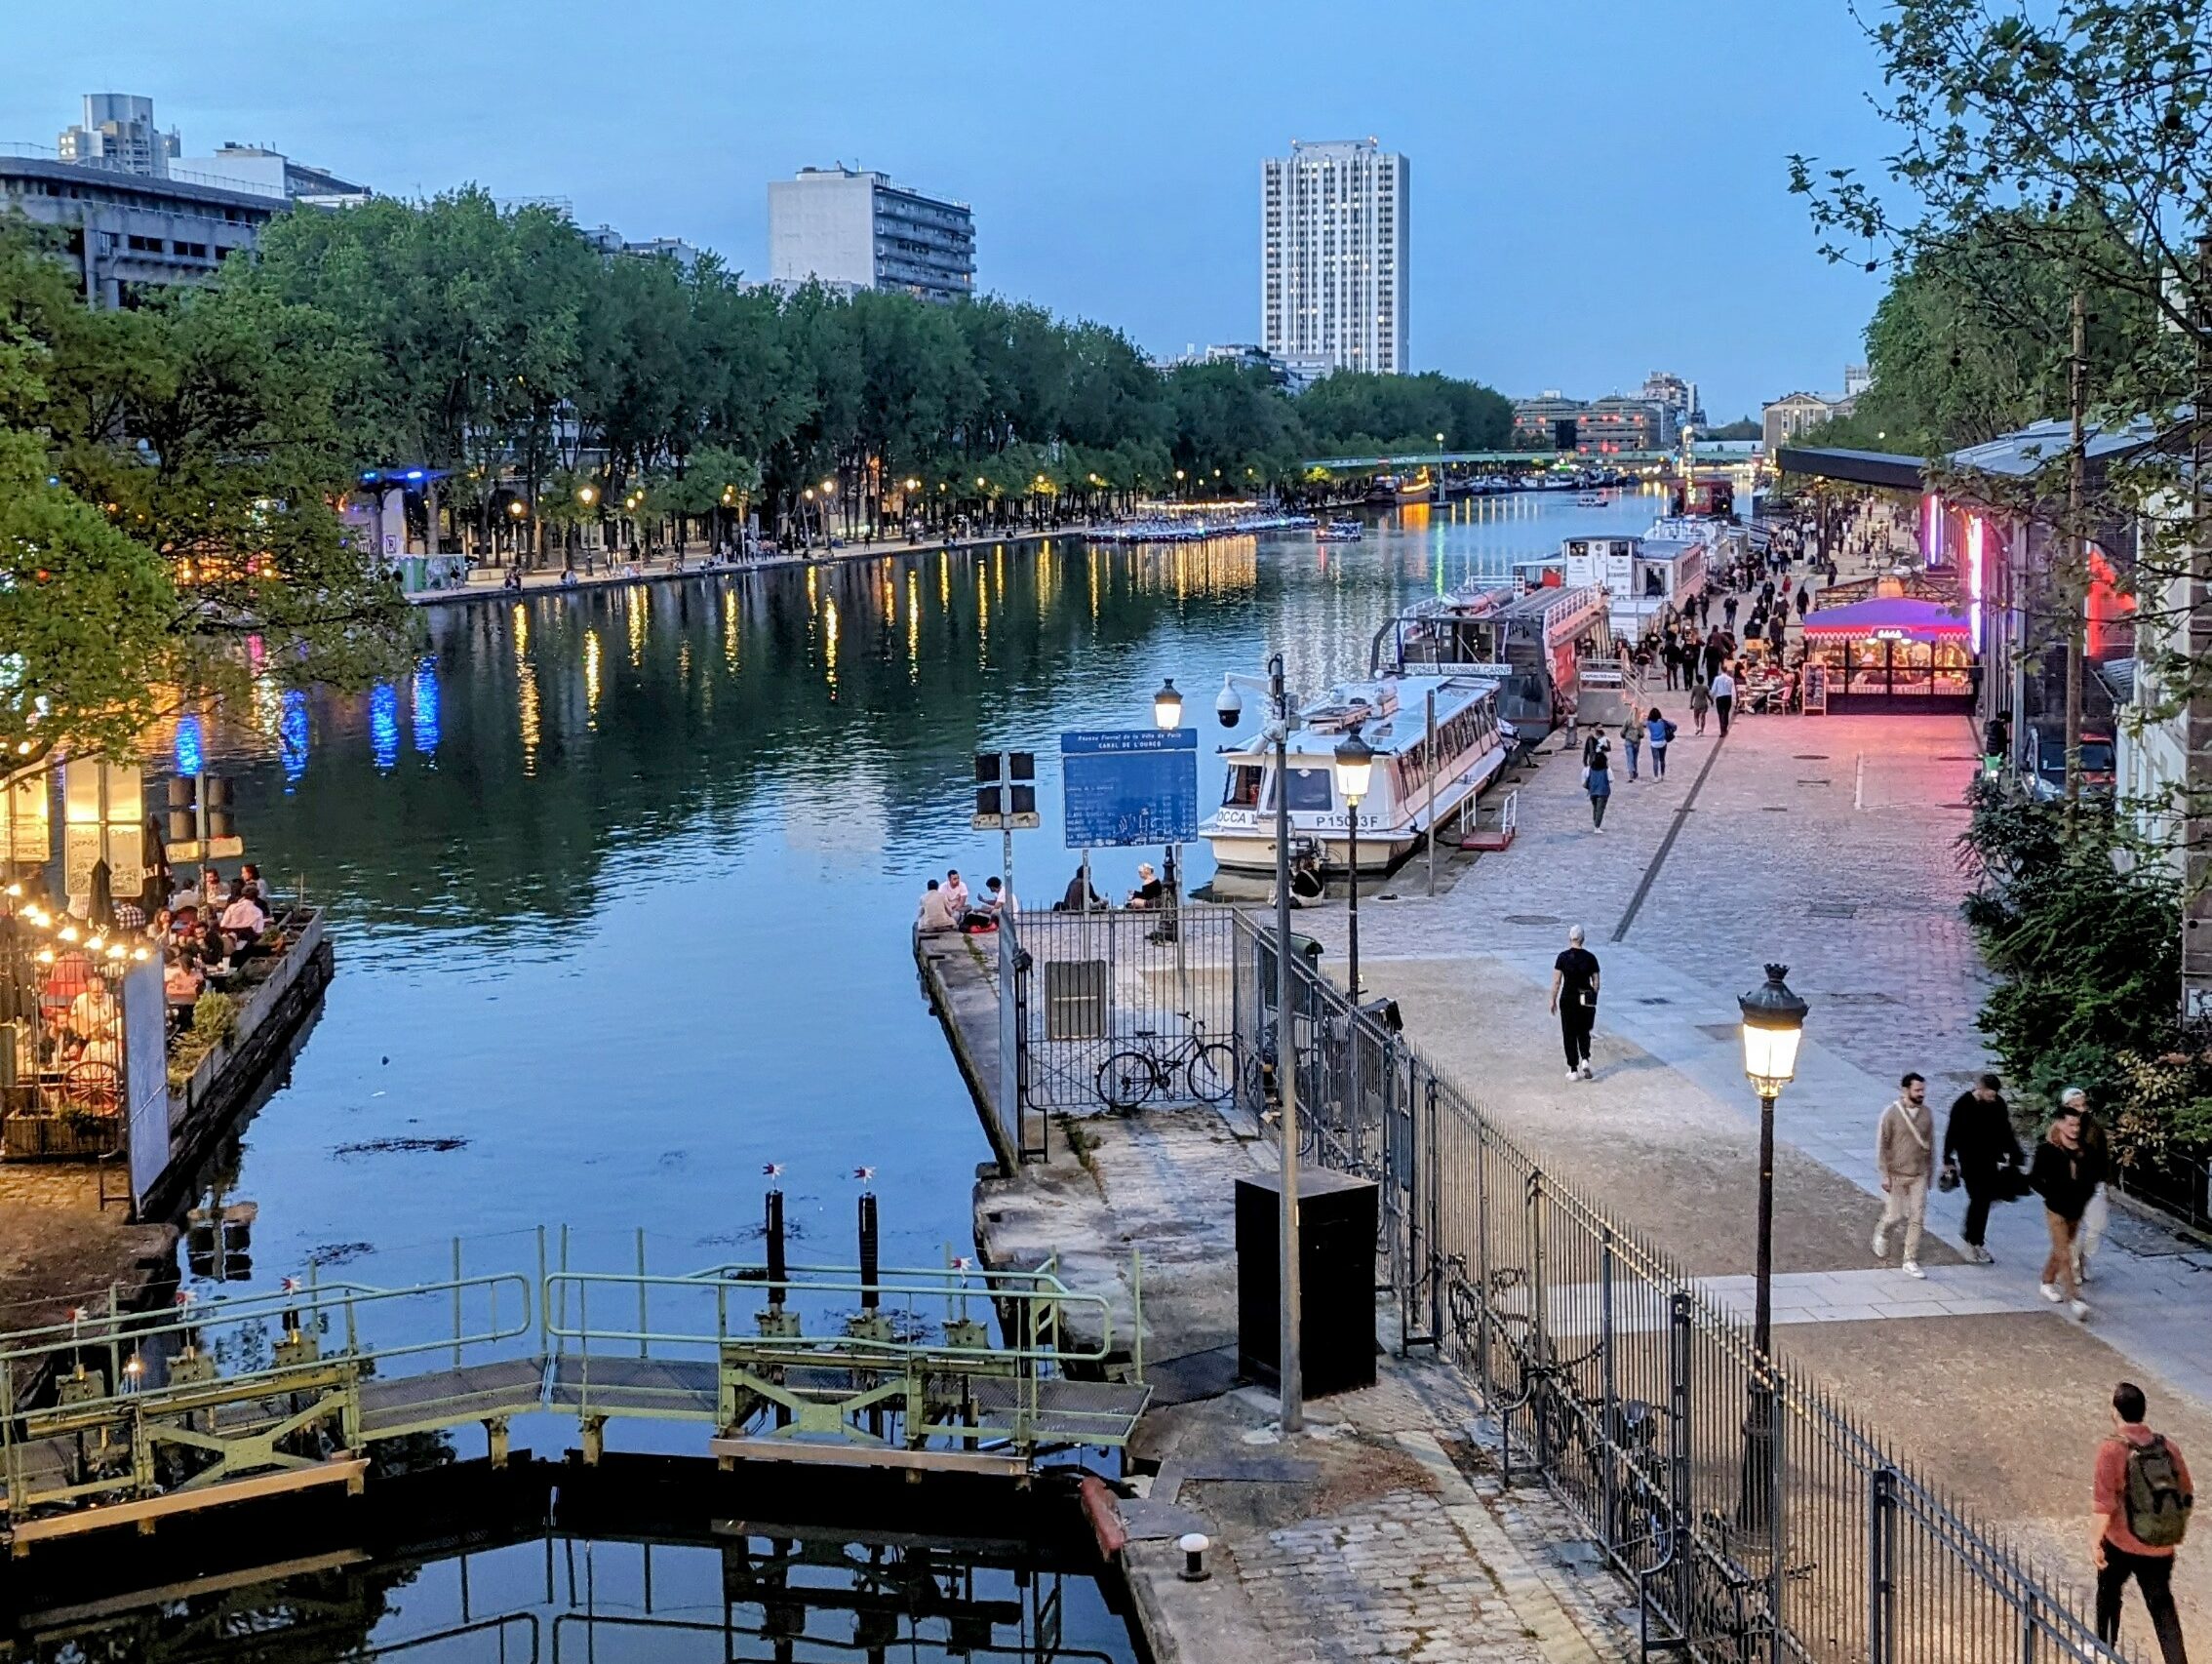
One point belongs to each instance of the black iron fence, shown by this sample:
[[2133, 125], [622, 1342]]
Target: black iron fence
[[1121, 1009], [1757, 1518]]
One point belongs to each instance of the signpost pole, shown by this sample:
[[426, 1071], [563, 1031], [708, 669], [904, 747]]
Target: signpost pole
[[1010, 1038]]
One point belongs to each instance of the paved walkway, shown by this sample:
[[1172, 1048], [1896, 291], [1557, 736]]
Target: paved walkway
[[1825, 843]]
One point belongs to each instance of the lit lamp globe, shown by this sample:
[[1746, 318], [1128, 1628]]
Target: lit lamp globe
[[1774, 1022], [1167, 706], [1355, 764]]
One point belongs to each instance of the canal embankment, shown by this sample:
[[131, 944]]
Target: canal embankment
[[1385, 1520]]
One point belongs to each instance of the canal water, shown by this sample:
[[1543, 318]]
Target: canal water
[[621, 880]]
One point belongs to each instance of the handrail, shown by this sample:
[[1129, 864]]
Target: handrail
[[1053, 1299], [129, 1333]]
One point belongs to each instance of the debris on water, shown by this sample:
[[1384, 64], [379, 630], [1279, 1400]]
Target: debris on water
[[340, 1253], [399, 1146], [794, 1230]]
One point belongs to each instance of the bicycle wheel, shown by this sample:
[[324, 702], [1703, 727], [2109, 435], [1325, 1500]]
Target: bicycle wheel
[[1127, 1079], [1211, 1072]]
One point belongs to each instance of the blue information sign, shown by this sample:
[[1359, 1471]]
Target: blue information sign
[[1136, 785]]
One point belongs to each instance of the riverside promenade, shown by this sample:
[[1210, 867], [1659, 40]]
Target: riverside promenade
[[1823, 842]]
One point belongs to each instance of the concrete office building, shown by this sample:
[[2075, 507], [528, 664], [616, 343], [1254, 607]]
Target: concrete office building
[[853, 229], [1333, 237], [124, 231], [118, 134]]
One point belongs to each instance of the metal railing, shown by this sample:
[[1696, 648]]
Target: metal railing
[[1124, 1008], [1755, 1515]]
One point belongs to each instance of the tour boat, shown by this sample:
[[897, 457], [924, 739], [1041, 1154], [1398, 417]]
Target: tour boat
[[1646, 576], [1410, 789], [1340, 531], [1531, 644], [1591, 500]]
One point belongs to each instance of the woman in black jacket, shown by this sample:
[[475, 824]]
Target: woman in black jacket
[[1978, 1146], [2066, 1174]]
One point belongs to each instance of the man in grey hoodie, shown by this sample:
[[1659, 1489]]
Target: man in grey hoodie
[[1903, 1157]]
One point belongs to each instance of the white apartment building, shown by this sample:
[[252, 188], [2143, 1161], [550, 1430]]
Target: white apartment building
[[850, 229], [1334, 231]]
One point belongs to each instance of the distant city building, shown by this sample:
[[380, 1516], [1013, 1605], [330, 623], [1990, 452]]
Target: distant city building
[[1603, 426], [1664, 387], [1334, 266], [843, 227], [126, 231], [1857, 378], [119, 133], [1246, 355], [271, 173], [609, 241], [1790, 415]]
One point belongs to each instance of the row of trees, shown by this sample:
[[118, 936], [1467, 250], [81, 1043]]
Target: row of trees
[[172, 476], [500, 345]]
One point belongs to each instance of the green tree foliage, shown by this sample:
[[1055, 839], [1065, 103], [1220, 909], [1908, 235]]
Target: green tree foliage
[[201, 435], [1356, 411]]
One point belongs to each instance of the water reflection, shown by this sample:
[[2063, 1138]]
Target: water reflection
[[622, 925], [656, 1589]]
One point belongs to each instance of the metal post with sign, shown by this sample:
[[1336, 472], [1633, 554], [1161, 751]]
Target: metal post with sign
[[1006, 797]]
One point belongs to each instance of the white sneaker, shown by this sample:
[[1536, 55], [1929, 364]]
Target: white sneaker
[[1912, 1268], [1983, 1256], [1881, 1242], [2080, 1310], [1574, 1075], [2051, 1294], [1587, 1074], [2081, 1269]]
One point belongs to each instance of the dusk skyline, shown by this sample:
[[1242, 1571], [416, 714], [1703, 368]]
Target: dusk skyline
[[1593, 194]]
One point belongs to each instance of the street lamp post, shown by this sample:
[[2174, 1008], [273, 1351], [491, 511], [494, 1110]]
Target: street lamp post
[[1289, 1381], [1774, 1022], [1355, 765], [1167, 715]]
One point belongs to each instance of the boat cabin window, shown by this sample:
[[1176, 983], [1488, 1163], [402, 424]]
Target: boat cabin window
[[1242, 791], [1312, 788]]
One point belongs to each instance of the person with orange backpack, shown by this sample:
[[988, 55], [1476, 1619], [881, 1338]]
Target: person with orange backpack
[[2143, 1499]]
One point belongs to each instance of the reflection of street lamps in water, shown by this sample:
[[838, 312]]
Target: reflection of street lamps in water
[[1774, 1022]]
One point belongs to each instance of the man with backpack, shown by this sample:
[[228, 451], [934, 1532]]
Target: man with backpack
[[2143, 1499]]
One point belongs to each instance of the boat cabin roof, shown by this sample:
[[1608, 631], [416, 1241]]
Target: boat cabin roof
[[1390, 713]]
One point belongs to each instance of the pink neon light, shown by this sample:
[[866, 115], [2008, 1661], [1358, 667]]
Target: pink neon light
[[1974, 578]]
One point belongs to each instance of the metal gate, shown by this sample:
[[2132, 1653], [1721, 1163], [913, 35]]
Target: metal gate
[[1122, 1010]]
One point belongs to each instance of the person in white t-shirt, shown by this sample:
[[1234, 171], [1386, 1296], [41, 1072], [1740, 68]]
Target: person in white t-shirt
[[1723, 698]]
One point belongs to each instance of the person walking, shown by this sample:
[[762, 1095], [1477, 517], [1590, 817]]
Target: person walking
[[1979, 1149], [1728, 613], [1661, 733], [2143, 1496], [2098, 1214], [2065, 1176], [1700, 702], [1723, 698], [1631, 736], [1574, 997], [1903, 1157], [1597, 779], [1805, 600]]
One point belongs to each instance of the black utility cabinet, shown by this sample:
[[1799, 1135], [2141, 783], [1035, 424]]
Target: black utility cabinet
[[1336, 1280]]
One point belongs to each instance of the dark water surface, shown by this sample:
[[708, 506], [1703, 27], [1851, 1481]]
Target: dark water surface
[[621, 881]]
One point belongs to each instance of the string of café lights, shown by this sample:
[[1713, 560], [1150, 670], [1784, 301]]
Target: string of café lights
[[107, 955]]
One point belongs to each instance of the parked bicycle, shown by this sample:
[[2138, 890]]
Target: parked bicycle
[[1207, 1067]]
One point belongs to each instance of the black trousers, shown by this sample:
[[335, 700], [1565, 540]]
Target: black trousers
[[1575, 1024], [2154, 1574], [1722, 709], [1980, 1193]]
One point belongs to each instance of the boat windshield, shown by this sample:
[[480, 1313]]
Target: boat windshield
[[1311, 788], [1243, 788]]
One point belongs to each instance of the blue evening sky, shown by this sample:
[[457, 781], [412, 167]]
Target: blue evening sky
[[1599, 190]]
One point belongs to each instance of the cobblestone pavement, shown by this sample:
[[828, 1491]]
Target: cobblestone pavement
[[1382, 1533]]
